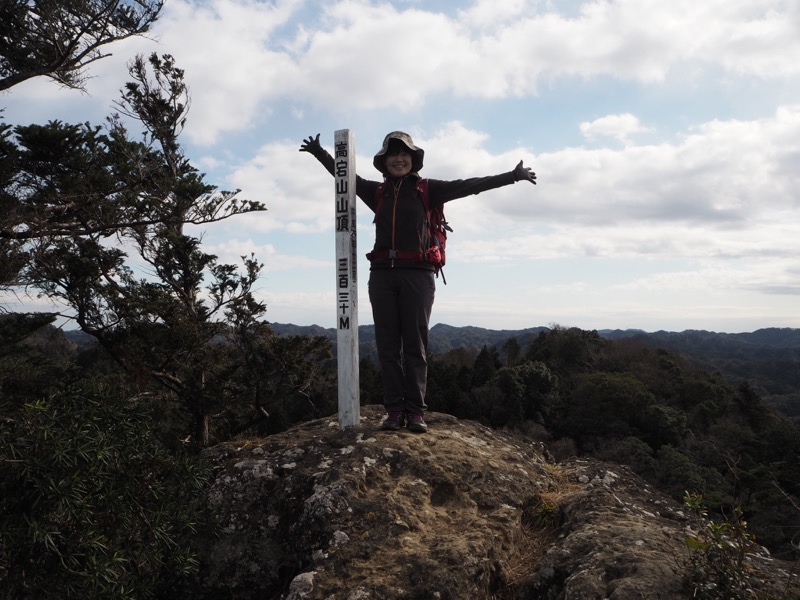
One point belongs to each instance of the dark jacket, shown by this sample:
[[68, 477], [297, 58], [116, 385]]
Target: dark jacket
[[401, 222]]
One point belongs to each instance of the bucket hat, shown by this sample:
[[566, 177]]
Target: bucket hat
[[418, 154]]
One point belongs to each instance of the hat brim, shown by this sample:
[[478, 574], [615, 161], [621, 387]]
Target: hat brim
[[417, 153]]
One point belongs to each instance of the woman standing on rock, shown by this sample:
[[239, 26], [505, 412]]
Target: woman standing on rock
[[401, 281]]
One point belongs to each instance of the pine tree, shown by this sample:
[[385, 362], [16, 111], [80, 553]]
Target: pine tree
[[86, 203], [60, 38]]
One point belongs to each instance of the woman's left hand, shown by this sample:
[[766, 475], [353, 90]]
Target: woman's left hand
[[524, 174]]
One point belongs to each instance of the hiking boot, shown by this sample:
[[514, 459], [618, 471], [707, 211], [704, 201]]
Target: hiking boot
[[394, 420], [416, 423]]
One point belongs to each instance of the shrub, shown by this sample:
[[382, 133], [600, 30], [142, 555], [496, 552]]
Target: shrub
[[92, 505], [718, 553]]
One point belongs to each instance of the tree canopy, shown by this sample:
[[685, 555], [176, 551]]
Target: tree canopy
[[98, 460], [60, 38]]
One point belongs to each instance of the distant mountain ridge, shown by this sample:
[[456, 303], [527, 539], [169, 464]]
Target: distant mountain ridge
[[447, 337], [770, 337], [443, 338]]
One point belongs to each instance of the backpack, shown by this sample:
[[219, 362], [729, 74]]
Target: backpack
[[437, 232]]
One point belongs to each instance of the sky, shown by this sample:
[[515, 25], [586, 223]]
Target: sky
[[665, 137]]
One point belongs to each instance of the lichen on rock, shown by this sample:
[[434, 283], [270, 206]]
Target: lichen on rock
[[462, 511]]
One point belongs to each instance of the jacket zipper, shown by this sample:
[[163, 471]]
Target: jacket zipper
[[396, 192]]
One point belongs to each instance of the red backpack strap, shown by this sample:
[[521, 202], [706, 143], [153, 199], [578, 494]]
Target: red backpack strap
[[422, 188], [435, 216]]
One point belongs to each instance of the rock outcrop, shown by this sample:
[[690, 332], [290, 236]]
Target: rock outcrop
[[462, 512]]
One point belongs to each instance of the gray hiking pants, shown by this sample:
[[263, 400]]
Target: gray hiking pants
[[402, 300]]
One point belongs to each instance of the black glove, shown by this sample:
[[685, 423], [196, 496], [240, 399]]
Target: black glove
[[523, 173], [312, 146]]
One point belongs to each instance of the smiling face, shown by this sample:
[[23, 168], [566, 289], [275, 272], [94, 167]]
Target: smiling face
[[398, 161]]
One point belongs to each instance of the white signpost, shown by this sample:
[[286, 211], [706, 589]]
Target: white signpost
[[346, 279]]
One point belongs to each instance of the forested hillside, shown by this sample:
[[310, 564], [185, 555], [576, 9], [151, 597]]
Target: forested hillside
[[681, 427], [767, 359]]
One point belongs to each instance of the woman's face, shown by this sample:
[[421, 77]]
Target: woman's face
[[398, 161]]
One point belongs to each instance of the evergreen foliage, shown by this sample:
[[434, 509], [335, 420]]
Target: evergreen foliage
[[82, 199], [58, 39], [92, 503]]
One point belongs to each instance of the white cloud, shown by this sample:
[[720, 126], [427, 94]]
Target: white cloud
[[292, 184], [619, 127], [233, 59], [232, 250], [730, 176], [243, 57]]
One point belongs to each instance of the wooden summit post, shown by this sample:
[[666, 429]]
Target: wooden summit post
[[346, 279]]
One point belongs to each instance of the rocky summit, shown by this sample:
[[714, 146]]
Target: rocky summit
[[461, 512]]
